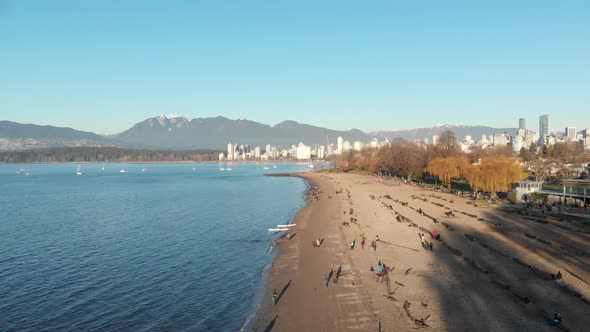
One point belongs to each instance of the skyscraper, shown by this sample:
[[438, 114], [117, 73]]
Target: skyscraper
[[339, 148], [544, 126], [570, 133], [522, 123]]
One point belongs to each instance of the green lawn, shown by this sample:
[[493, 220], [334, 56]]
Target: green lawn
[[556, 187]]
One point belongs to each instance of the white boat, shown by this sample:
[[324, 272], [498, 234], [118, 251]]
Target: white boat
[[123, 171], [79, 171], [309, 166], [228, 169], [265, 167], [20, 171], [274, 166], [278, 229], [286, 226], [221, 169], [144, 170]]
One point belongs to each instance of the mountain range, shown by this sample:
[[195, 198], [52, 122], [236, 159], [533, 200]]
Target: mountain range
[[181, 133]]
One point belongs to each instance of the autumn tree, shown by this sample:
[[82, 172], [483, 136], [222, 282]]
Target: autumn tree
[[498, 173], [446, 169], [447, 144]]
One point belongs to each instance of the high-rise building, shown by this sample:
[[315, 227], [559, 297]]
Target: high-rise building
[[321, 152], [346, 146], [357, 145], [340, 143], [517, 143], [522, 123], [330, 149], [434, 139], [374, 143], [303, 152], [230, 151], [570, 133], [544, 126]]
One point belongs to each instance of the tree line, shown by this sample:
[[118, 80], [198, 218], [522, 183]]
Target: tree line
[[104, 154], [492, 170]]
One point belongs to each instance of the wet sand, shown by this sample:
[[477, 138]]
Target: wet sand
[[455, 287]]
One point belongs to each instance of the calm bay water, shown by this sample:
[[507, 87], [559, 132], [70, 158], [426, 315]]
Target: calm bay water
[[168, 249]]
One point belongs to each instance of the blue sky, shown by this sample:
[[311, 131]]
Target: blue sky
[[104, 65]]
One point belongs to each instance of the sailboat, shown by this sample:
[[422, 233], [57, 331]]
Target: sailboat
[[79, 171], [103, 167], [20, 171], [228, 167], [309, 165]]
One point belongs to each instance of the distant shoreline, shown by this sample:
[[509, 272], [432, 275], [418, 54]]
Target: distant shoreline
[[164, 162]]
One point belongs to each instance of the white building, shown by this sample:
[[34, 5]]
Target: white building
[[374, 143], [257, 152], [501, 139], [230, 151], [330, 149], [346, 146], [321, 152], [517, 143], [524, 189], [340, 145], [434, 139], [303, 152], [221, 157], [570, 133], [357, 145]]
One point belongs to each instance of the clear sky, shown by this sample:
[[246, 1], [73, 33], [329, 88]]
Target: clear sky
[[104, 65]]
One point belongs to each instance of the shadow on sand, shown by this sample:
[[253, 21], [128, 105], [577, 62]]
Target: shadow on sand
[[283, 291], [271, 325]]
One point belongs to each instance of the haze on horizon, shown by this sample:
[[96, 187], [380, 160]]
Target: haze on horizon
[[373, 65]]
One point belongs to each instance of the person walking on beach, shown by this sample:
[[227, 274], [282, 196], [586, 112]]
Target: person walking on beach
[[363, 243], [274, 297]]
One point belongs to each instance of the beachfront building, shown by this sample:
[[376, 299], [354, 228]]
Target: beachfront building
[[577, 189], [524, 189], [340, 145]]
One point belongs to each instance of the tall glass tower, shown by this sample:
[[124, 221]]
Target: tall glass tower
[[544, 126], [522, 123]]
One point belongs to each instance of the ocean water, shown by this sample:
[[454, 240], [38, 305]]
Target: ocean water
[[169, 249]]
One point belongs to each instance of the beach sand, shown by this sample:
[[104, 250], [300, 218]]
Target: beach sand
[[445, 291]]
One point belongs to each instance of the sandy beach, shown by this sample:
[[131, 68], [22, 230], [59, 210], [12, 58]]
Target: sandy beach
[[490, 271]]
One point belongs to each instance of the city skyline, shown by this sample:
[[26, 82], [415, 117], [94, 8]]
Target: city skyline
[[103, 67]]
